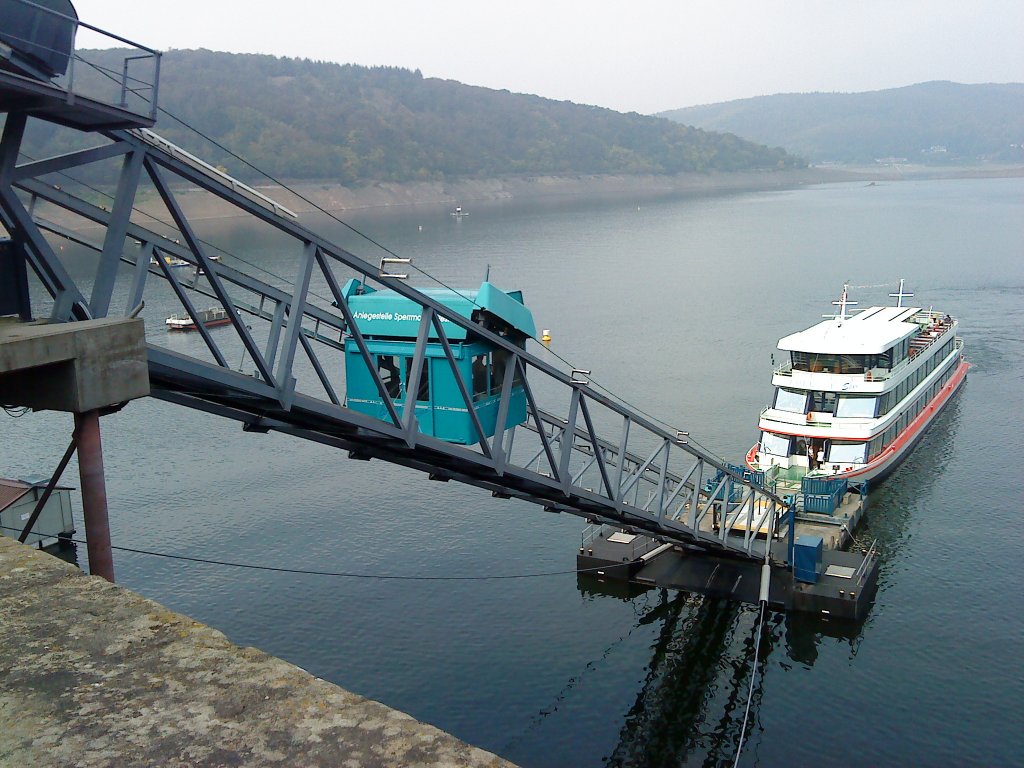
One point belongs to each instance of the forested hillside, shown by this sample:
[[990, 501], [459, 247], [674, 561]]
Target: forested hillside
[[937, 122], [301, 119]]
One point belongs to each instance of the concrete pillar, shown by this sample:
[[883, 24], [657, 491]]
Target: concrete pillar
[[94, 494]]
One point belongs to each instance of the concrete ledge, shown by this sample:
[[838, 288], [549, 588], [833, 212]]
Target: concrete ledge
[[77, 367], [92, 674]]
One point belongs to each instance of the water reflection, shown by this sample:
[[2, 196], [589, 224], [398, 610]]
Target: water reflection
[[690, 706]]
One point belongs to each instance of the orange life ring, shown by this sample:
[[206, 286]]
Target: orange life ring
[[867, 376]]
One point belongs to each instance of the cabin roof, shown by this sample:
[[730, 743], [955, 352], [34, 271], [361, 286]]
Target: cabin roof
[[11, 490], [871, 331], [384, 313]]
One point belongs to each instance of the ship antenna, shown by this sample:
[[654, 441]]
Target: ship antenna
[[843, 303], [900, 295]]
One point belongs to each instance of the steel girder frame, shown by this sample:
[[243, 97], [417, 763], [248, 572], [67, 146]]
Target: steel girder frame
[[575, 469]]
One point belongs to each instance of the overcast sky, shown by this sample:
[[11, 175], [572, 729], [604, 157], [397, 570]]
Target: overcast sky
[[638, 56]]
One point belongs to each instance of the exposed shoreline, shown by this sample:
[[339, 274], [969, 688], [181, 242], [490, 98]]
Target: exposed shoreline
[[582, 188], [334, 197]]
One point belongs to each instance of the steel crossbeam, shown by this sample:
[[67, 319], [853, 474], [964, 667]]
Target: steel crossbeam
[[561, 463]]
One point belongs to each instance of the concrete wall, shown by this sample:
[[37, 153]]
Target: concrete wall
[[92, 674]]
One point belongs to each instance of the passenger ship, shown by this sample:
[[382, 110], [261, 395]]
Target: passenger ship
[[859, 391]]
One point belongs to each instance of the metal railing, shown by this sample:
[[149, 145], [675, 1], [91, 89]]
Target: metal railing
[[862, 569], [647, 478], [81, 59], [875, 375]]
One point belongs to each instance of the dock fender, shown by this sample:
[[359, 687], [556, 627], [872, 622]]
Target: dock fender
[[766, 580]]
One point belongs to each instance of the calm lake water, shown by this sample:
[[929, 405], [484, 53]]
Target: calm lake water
[[676, 306]]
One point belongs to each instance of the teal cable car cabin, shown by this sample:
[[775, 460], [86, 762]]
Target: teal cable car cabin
[[389, 324]]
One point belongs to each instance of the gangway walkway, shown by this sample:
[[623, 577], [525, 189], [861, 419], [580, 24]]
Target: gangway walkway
[[579, 451]]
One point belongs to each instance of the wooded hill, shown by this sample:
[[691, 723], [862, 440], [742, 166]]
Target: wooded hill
[[936, 122], [301, 119]]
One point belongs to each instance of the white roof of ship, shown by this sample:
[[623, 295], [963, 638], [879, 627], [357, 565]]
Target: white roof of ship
[[871, 331]]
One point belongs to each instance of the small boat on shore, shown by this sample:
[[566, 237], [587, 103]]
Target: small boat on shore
[[209, 318], [174, 262], [171, 261], [858, 392]]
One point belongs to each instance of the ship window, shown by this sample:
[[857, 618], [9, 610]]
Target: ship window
[[842, 452], [883, 361], [862, 407], [423, 391], [823, 402], [777, 445], [875, 447], [792, 400], [851, 363], [387, 367]]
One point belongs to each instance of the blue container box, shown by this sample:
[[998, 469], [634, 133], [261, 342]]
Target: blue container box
[[822, 485], [824, 503], [807, 559]]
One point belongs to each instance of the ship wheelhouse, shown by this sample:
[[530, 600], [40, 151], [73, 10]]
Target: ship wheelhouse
[[854, 387]]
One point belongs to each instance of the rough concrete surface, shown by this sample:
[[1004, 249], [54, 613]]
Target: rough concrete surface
[[92, 674]]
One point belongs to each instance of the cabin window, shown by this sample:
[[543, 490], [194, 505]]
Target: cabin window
[[499, 359], [844, 364], [823, 402], [875, 446], [843, 452], [777, 445], [423, 390], [387, 367], [480, 378], [857, 407], [882, 361], [792, 400]]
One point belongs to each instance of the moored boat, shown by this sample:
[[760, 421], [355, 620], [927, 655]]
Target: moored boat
[[210, 318], [858, 391], [175, 262]]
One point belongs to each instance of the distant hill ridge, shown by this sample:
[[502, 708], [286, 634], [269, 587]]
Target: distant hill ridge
[[934, 122], [302, 119]]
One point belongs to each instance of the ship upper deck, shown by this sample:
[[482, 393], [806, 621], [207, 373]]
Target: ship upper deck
[[871, 331]]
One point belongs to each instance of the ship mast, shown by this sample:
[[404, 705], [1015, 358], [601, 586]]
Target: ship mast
[[842, 303], [900, 295]]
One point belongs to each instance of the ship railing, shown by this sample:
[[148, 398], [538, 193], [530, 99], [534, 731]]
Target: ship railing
[[898, 369], [786, 369], [862, 569], [875, 375], [81, 59]]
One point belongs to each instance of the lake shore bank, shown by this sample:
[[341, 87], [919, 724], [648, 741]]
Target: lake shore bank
[[335, 198], [381, 195]]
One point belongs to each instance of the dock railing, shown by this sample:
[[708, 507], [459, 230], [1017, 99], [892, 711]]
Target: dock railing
[[862, 569]]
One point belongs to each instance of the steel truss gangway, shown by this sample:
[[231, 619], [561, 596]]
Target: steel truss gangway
[[579, 451]]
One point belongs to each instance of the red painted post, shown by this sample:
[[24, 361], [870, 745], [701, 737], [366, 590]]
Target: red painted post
[[94, 494]]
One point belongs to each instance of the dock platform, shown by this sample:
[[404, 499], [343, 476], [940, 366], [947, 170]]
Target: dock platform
[[844, 589], [97, 676]]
